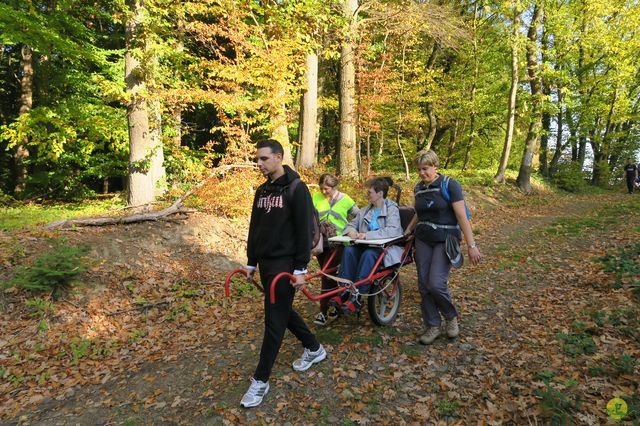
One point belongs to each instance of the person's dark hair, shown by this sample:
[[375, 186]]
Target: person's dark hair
[[273, 144], [329, 180], [381, 183]]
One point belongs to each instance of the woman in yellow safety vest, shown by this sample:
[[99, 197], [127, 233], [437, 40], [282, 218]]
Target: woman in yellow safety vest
[[334, 209]]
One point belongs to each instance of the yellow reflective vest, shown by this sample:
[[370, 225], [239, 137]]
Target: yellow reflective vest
[[336, 214]]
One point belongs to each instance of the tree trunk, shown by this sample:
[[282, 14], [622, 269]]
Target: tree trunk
[[560, 146], [26, 102], [348, 157], [474, 88], [381, 139], [400, 110], [176, 124], [307, 157], [533, 135], [511, 115], [141, 188], [433, 125], [431, 115], [280, 129], [452, 142], [158, 172], [320, 115], [546, 116]]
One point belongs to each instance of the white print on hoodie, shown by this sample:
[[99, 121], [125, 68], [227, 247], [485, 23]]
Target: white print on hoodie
[[270, 201]]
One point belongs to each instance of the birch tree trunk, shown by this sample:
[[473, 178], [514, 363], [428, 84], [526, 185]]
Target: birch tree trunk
[[533, 135], [511, 115], [141, 188], [280, 130], [400, 110], [348, 165], [309, 116], [26, 102]]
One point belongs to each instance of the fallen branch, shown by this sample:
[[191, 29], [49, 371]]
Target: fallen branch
[[140, 306], [174, 208]]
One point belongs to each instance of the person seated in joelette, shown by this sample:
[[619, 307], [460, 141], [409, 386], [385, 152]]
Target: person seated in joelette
[[380, 219]]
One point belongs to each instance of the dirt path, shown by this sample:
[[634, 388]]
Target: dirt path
[[537, 281]]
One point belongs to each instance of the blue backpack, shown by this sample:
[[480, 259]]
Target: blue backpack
[[444, 190]]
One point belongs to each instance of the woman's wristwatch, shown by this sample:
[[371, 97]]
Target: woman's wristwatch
[[473, 246]]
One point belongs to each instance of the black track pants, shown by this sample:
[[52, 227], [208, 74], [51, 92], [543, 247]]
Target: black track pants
[[279, 317]]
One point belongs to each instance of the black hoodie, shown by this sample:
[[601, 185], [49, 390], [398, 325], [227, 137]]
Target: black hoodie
[[280, 222]]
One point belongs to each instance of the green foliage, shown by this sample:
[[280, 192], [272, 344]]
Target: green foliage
[[615, 366], [624, 364], [633, 407], [184, 166], [39, 307], [447, 407], [625, 264], [329, 336], [604, 174], [79, 349], [184, 308], [572, 226], [576, 344], [89, 348], [241, 287], [570, 177], [28, 215], [557, 402], [52, 271], [136, 335]]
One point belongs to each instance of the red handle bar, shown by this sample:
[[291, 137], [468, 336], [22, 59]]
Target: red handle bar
[[244, 272]]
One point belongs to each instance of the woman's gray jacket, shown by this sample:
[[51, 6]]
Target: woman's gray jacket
[[389, 222]]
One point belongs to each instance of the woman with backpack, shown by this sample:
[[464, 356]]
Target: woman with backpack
[[334, 210], [440, 218]]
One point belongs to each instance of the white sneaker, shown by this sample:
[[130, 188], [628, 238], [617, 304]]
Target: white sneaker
[[255, 393], [309, 358]]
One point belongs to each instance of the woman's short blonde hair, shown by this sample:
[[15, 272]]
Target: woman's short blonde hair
[[427, 158]]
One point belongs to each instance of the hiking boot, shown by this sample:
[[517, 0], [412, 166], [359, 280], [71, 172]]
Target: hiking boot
[[255, 393], [352, 305], [309, 358], [431, 335], [320, 319], [451, 327]]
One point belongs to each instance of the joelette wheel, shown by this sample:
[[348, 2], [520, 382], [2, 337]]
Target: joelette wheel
[[384, 302]]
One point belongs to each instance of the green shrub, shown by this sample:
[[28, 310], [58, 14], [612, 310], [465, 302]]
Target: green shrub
[[625, 263], [52, 271], [570, 177], [39, 307], [575, 344], [604, 174], [557, 402]]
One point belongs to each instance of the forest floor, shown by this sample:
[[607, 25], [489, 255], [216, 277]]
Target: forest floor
[[546, 334]]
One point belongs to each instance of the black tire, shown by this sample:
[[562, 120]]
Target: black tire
[[385, 303]]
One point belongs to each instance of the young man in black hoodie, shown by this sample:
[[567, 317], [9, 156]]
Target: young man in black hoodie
[[280, 239]]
